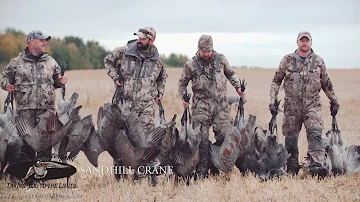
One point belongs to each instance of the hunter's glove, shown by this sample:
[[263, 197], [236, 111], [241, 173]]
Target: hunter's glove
[[273, 109], [186, 97], [334, 108]]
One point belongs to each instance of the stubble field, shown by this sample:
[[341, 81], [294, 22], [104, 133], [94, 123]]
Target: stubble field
[[96, 88]]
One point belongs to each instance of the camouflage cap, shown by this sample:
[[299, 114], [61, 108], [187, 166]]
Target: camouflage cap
[[205, 43], [148, 32], [36, 34], [304, 34]]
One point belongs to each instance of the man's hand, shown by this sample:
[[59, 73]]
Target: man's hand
[[273, 109], [186, 100], [10, 88], [186, 104], [63, 79], [240, 93], [119, 83], [158, 98], [334, 108]]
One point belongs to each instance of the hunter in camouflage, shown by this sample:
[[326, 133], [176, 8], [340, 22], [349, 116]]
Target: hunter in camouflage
[[304, 74], [139, 68], [33, 77], [208, 72]]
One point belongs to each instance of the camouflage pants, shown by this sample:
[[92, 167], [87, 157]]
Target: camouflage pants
[[207, 113], [308, 113], [146, 114], [33, 117]]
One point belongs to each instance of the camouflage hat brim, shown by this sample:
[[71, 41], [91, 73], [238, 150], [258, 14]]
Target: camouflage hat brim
[[301, 36], [47, 38], [141, 35]]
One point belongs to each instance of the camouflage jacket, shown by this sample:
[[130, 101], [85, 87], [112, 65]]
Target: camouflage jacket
[[303, 80], [143, 78], [208, 80], [35, 81]]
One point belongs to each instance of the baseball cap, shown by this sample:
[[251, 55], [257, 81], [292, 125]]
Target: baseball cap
[[306, 34], [36, 34], [148, 32]]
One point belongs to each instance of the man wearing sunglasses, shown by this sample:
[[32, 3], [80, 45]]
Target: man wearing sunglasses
[[304, 74], [208, 72], [32, 77], [139, 69]]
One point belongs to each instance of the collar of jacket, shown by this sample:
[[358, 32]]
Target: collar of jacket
[[132, 50], [297, 56], [26, 56]]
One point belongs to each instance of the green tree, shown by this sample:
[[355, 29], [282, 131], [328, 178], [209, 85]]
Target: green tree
[[175, 60], [76, 40]]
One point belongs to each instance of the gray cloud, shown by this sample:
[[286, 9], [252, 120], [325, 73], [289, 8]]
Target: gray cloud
[[184, 16]]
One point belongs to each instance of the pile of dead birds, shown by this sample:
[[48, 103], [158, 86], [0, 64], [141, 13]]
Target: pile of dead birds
[[118, 131], [64, 130]]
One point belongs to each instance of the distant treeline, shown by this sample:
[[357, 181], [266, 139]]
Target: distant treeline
[[175, 60], [71, 49]]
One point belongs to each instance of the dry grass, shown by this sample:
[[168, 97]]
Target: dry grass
[[95, 88]]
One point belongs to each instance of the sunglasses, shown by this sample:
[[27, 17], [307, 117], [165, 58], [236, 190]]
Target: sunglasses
[[145, 32]]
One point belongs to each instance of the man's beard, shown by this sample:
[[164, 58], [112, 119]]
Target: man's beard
[[304, 49], [142, 47], [205, 58]]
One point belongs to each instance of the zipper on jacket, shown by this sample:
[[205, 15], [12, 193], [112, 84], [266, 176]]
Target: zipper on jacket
[[36, 85]]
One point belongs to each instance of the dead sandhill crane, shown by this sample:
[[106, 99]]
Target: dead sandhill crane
[[340, 158], [266, 157], [121, 133], [224, 157], [45, 135], [262, 154], [134, 147], [77, 134], [184, 155], [10, 141]]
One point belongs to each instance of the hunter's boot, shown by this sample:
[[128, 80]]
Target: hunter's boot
[[292, 164], [202, 167], [316, 153]]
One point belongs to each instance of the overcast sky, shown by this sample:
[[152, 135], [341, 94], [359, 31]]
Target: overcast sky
[[255, 34]]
